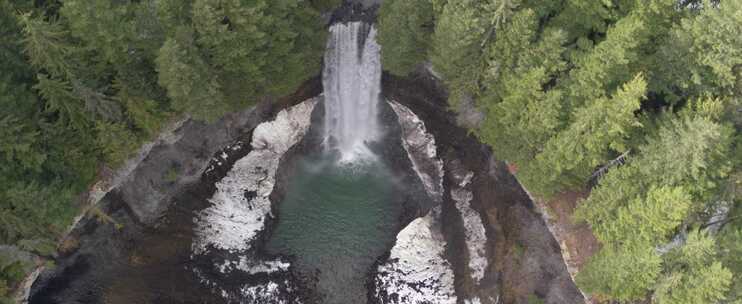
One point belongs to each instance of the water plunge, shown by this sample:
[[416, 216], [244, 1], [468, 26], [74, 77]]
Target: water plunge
[[336, 220], [352, 84], [338, 217]]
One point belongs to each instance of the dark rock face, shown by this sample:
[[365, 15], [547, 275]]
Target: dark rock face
[[228, 274], [412, 195], [142, 253], [524, 258], [148, 194], [356, 10], [147, 256]]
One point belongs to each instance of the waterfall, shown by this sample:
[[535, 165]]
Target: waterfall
[[352, 86]]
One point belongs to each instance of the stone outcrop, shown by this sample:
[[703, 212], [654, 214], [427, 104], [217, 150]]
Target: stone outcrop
[[416, 270], [241, 205], [148, 231], [240, 211], [479, 238], [516, 258]]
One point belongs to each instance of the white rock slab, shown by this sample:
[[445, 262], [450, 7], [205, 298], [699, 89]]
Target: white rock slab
[[240, 205], [421, 149], [476, 237], [416, 272]]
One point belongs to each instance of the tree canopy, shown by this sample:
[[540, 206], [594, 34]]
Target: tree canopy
[[636, 103], [85, 82]]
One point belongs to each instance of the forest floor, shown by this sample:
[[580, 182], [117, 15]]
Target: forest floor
[[576, 239]]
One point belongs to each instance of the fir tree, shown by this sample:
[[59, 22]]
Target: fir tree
[[190, 83], [405, 28], [692, 275]]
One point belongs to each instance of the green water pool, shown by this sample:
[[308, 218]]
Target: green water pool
[[336, 220]]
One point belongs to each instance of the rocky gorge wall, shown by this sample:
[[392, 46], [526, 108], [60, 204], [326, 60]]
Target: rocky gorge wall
[[517, 259], [149, 228], [486, 238], [205, 238]]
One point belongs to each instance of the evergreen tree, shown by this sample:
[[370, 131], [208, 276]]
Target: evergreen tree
[[692, 275], [518, 127], [47, 45], [519, 47], [34, 211], [730, 253], [72, 156], [689, 152], [405, 28], [84, 81], [650, 219], [19, 149], [173, 14], [62, 101], [325, 5], [622, 274], [599, 128], [520, 114], [190, 83], [438, 6], [16, 72], [642, 201], [102, 24], [115, 141], [457, 40], [543, 72], [581, 17], [258, 47], [610, 63], [146, 114], [704, 54]]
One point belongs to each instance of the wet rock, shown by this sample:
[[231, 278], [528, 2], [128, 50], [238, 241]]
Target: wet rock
[[475, 234], [416, 272], [229, 232], [147, 187], [233, 220], [143, 252], [150, 187], [252, 279], [458, 246], [421, 149], [356, 10], [496, 199]]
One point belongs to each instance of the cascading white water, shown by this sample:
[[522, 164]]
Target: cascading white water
[[352, 84]]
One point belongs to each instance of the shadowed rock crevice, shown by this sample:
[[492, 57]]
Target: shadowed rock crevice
[[524, 258]]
